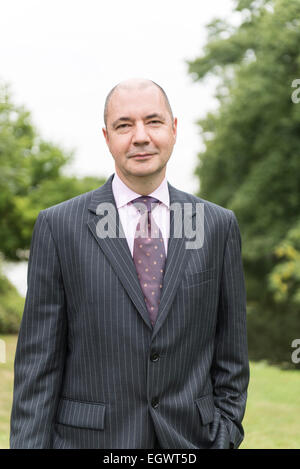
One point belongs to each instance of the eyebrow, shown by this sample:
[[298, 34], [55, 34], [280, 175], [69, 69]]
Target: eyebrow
[[126, 119], [151, 116]]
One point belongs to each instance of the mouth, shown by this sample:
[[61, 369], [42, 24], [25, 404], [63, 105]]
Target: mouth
[[142, 156]]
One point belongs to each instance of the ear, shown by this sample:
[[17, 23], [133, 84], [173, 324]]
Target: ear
[[104, 131], [175, 128]]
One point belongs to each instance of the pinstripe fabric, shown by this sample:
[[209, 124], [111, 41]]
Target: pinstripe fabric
[[85, 373]]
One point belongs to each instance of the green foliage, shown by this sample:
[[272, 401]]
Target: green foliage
[[31, 179], [31, 176], [285, 277], [251, 162], [11, 306]]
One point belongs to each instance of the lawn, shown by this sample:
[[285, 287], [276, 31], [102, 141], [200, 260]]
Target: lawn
[[6, 388], [272, 418]]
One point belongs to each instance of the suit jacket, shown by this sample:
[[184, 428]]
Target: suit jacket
[[92, 372]]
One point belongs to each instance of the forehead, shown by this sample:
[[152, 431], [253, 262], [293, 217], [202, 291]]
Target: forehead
[[136, 102]]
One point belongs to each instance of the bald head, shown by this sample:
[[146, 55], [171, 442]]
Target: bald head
[[131, 84]]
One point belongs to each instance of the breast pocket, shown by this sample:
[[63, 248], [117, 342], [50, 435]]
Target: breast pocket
[[80, 414], [198, 278]]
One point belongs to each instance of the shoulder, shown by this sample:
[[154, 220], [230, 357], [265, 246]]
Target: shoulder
[[218, 220], [212, 211], [71, 207]]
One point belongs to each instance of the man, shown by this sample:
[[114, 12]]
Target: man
[[131, 341]]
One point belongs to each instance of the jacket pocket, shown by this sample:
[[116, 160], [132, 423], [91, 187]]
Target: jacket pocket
[[199, 277], [206, 408], [80, 414]]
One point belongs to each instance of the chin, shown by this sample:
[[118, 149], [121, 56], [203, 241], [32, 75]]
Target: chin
[[145, 171]]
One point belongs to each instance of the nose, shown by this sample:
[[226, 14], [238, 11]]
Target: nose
[[140, 135]]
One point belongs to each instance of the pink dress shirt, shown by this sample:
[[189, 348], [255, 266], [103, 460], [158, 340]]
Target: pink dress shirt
[[129, 216]]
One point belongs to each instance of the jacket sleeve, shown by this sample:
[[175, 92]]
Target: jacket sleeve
[[40, 353], [230, 370]]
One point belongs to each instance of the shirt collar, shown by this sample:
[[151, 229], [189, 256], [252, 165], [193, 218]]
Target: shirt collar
[[123, 194]]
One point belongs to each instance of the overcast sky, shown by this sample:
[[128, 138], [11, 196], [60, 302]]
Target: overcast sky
[[62, 57]]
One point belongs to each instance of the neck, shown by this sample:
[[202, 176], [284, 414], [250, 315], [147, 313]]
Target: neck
[[143, 185]]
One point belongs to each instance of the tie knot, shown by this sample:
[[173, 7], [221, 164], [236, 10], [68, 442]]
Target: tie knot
[[144, 203]]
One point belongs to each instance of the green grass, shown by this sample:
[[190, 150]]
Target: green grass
[[272, 418], [6, 388]]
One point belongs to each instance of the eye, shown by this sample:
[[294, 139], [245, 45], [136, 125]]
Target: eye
[[122, 126], [154, 122]]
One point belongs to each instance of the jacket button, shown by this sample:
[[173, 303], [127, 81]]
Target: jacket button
[[154, 402], [154, 357]]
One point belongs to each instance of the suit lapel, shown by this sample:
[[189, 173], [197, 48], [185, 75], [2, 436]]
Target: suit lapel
[[117, 251], [177, 258]]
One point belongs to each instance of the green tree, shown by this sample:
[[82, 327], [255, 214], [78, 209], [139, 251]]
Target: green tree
[[31, 179], [31, 176], [251, 162]]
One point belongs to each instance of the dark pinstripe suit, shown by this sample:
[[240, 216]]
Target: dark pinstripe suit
[[86, 375]]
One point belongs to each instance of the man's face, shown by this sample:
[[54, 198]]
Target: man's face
[[140, 133]]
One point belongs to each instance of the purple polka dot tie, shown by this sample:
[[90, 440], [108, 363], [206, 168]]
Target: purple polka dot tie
[[149, 255]]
